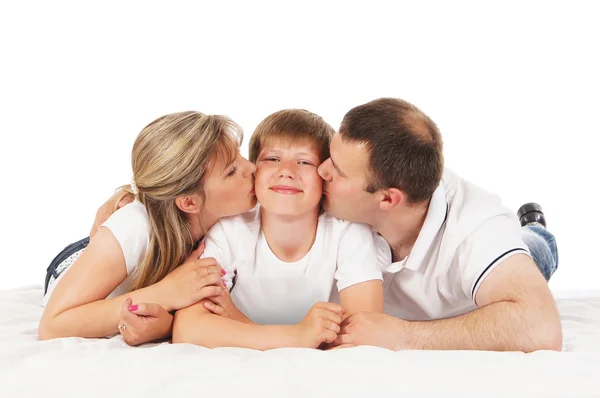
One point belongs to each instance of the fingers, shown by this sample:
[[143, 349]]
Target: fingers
[[197, 253], [331, 316], [210, 279], [147, 309], [342, 346], [208, 291], [329, 325], [125, 201], [331, 307], [212, 307], [327, 336], [125, 307], [343, 339]]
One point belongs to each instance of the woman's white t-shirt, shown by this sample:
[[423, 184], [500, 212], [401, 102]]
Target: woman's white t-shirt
[[131, 227], [271, 291]]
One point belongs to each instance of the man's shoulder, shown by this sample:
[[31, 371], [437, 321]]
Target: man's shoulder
[[470, 205]]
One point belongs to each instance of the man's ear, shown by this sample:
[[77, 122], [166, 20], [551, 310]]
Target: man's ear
[[189, 204], [390, 198]]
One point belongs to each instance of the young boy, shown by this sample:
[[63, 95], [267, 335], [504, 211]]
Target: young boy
[[285, 255]]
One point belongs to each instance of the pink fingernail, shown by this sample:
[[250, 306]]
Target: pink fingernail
[[224, 284], [223, 271], [133, 307]]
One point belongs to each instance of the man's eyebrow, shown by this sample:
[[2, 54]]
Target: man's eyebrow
[[336, 167]]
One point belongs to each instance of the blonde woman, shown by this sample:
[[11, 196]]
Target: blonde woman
[[187, 174]]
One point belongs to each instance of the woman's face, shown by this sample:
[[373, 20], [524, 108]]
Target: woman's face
[[229, 188]]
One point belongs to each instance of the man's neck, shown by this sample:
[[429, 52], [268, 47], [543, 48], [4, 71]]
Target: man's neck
[[401, 229], [289, 237]]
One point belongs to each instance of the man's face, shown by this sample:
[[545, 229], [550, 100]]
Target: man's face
[[345, 174]]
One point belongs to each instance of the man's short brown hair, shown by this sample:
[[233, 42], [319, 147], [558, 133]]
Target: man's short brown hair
[[405, 146], [293, 126]]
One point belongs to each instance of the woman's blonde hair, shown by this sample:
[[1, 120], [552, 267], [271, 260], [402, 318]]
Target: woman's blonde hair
[[170, 158]]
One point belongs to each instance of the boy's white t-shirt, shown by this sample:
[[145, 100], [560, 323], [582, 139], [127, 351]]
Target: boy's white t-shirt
[[271, 291], [131, 227]]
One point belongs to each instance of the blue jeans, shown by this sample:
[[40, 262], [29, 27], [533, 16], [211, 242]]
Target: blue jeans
[[542, 246]]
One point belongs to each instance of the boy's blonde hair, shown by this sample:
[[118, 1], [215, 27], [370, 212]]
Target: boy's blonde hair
[[170, 158], [292, 126]]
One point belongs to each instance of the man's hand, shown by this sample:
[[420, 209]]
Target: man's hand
[[222, 305], [107, 209], [142, 323], [374, 329]]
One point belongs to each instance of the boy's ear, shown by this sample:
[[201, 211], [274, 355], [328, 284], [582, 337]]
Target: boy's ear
[[390, 198], [189, 203]]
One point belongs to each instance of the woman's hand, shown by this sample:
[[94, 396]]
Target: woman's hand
[[320, 325], [192, 281], [144, 322], [222, 305]]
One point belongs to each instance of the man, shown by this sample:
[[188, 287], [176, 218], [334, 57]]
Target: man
[[462, 276]]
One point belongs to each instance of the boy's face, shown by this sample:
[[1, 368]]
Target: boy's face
[[287, 182]]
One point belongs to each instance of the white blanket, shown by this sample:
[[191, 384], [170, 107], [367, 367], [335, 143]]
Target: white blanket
[[110, 368]]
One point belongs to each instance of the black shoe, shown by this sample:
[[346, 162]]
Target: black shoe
[[531, 213]]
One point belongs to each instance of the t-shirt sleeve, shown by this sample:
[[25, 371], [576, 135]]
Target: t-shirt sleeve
[[218, 247], [357, 259], [131, 227], [494, 241]]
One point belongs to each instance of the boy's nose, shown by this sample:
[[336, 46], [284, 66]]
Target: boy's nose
[[287, 169]]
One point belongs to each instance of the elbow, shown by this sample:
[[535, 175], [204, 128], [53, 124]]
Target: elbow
[[46, 331], [548, 336], [187, 334], [552, 338]]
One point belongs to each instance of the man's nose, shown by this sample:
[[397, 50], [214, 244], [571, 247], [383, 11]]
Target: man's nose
[[323, 170]]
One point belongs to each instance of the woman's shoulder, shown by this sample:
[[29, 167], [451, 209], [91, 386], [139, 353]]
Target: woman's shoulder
[[131, 216]]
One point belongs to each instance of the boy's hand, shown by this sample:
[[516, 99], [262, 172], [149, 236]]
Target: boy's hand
[[222, 305], [320, 325]]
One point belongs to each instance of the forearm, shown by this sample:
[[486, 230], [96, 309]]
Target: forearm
[[96, 319], [501, 326], [209, 330]]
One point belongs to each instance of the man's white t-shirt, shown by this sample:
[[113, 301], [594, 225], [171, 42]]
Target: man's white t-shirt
[[271, 291], [466, 234], [131, 227]]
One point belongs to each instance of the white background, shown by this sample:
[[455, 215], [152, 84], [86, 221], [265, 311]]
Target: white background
[[513, 87]]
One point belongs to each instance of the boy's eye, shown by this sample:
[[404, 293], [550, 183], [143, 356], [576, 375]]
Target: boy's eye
[[271, 159], [305, 162]]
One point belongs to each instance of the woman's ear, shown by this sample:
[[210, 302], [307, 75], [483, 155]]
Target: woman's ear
[[391, 198], [191, 204]]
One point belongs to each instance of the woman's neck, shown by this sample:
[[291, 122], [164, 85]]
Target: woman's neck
[[289, 237], [195, 223]]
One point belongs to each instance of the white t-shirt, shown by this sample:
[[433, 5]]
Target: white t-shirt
[[271, 291], [466, 234], [131, 227]]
